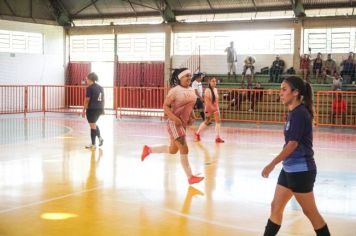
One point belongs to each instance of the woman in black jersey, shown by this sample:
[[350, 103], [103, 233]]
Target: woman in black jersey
[[93, 107], [297, 176]]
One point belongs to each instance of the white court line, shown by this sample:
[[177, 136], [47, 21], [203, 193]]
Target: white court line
[[254, 143]]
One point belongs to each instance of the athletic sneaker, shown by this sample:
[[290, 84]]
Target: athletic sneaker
[[90, 146], [101, 141], [219, 140], [145, 152], [196, 137], [195, 179]]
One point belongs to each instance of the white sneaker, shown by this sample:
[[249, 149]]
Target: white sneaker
[[90, 146]]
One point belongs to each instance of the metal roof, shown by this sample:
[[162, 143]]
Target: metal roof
[[64, 12]]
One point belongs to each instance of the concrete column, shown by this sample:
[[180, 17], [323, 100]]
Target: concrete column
[[168, 53], [298, 43]]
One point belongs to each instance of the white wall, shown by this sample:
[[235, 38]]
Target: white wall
[[34, 69]]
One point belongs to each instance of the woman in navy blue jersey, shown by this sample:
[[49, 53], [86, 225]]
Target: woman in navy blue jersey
[[299, 170], [93, 107]]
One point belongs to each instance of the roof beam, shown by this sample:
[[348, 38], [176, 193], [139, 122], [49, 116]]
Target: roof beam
[[132, 7], [140, 4], [31, 9], [166, 11], [209, 3], [254, 4], [60, 13], [10, 8], [298, 8], [216, 11], [96, 7], [117, 15], [85, 7]]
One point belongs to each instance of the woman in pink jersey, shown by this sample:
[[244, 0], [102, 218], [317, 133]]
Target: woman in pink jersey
[[211, 99], [178, 106]]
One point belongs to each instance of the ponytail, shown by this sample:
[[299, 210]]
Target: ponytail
[[213, 98], [308, 99]]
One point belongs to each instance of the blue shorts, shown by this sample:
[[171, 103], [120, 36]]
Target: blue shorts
[[93, 115], [298, 182]]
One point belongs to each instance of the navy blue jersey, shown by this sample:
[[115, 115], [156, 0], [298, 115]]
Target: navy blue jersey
[[299, 128], [95, 93]]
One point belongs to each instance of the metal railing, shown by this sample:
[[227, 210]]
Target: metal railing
[[332, 108]]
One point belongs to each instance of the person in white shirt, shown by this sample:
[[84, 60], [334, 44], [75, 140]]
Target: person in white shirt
[[198, 88], [231, 60]]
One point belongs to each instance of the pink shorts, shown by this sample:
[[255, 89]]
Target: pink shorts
[[174, 130], [211, 110]]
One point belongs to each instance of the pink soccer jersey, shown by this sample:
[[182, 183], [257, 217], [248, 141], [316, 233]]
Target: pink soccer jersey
[[183, 101], [214, 106]]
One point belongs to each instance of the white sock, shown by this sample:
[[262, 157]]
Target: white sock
[[185, 164], [160, 149], [202, 126], [217, 130]]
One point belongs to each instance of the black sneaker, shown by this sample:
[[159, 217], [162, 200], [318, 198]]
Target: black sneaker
[[101, 141]]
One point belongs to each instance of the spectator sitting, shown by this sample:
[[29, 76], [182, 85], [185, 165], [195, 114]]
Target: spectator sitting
[[329, 67], [339, 107], [337, 81], [248, 64], [277, 69], [291, 71]]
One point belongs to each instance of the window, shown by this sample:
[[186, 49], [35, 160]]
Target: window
[[156, 46], [330, 40], [92, 48], [183, 44], [93, 45], [246, 42], [4, 40], [124, 44], [141, 47], [22, 42]]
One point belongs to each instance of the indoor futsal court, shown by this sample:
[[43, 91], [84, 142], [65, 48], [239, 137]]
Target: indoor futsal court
[[273, 81], [51, 185]]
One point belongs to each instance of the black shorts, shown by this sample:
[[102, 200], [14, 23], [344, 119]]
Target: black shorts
[[93, 115], [298, 182], [199, 104]]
